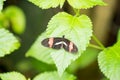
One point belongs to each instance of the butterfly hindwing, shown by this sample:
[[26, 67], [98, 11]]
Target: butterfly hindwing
[[71, 47]]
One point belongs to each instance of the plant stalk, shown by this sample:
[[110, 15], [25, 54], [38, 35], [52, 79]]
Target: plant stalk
[[98, 42]]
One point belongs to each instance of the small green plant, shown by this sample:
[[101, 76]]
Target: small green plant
[[11, 17], [77, 28]]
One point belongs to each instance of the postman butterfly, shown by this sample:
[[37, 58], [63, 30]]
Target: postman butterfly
[[60, 42]]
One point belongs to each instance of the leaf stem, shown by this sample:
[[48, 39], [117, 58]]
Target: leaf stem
[[98, 42], [77, 12], [95, 46]]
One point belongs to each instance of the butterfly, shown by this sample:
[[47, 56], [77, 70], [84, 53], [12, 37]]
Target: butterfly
[[60, 42]]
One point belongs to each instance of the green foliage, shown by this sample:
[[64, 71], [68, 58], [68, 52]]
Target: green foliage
[[12, 76], [84, 60], [109, 61], [76, 29], [16, 18], [45, 4], [4, 23], [8, 43], [54, 76], [84, 4], [1, 4], [43, 76], [40, 52], [78, 4], [13, 17]]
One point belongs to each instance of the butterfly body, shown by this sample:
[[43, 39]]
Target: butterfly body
[[58, 43]]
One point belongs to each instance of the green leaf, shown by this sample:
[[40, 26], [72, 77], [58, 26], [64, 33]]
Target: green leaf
[[8, 43], [16, 17], [45, 4], [12, 76], [1, 4], [62, 60], [84, 4], [40, 52], [54, 76], [109, 62], [4, 23], [76, 29]]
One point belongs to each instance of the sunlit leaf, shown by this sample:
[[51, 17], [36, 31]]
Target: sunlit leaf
[[40, 52], [12, 76], [84, 4], [45, 4], [16, 17], [109, 62], [1, 4], [62, 60], [8, 42], [76, 29], [54, 76]]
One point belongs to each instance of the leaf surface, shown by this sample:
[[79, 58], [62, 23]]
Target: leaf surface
[[1, 4], [45, 4], [76, 29], [84, 4], [12, 76], [40, 52], [8, 42], [54, 76], [109, 62]]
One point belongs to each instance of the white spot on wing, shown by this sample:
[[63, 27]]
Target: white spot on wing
[[62, 42]]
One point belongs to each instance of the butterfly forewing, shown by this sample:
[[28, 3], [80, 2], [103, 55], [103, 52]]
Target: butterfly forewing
[[45, 42]]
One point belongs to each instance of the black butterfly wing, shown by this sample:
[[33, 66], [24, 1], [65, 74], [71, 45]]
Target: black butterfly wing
[[45, 42], [52, 43], [58, 43], [71, 47]]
